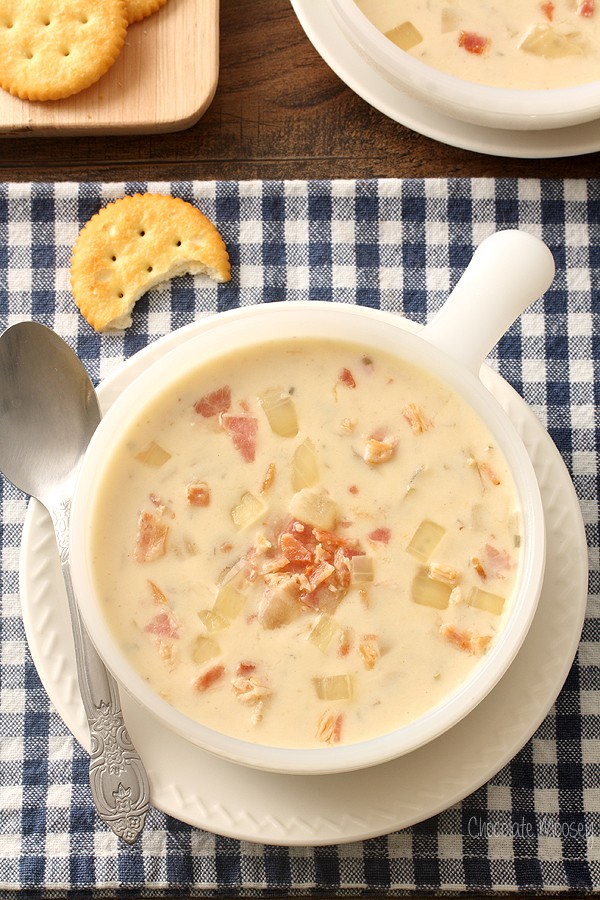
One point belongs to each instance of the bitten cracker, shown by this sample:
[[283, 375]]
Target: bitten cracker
[[51, 49], [139, 9], [132, 245]]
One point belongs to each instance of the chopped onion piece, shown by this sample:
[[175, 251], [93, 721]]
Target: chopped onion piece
[[280, 411], [427, 592], [334, 687], [314, 507], [229, 602], [362, 569], [492, 603], [204, 648], [305, 470], [248, 510], [425, 540], [153, 455], [405, 36], [212, 621], [323, 631]]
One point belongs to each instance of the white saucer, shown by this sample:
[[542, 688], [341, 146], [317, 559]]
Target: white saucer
[[323, 32], [242, 803]]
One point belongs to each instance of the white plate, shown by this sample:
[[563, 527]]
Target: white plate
[[323, 32], [195, 787]]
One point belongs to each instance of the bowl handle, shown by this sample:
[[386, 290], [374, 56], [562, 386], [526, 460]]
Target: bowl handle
[[508, 271]]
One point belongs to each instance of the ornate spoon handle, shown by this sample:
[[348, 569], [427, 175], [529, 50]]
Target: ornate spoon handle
[[118, 779]]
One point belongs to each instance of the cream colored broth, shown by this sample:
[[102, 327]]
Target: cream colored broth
[[197, 543], [523, 44]]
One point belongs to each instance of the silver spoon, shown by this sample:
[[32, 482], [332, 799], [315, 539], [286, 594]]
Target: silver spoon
[[48, 413]]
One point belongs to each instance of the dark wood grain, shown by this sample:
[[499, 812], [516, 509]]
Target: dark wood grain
[[279, 112]]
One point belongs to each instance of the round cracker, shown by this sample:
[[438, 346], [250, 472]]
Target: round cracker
[[140, 9], [132, 245], [51, 49]]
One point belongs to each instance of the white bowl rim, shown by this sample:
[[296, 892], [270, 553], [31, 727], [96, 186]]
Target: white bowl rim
[[579, 101], [339, 758]]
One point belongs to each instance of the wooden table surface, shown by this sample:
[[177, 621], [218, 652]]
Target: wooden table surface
[[279, 112]]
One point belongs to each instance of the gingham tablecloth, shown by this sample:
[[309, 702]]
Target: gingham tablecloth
[[395, 244]]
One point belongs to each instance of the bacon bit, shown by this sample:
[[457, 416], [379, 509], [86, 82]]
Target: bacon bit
[[586, 8], [242, 430], [345, 642], [369, 650], [160, 505], [377, 452], [245, 667], [166, 651], [468, 640], [250, 690], [416, 418], [198, 494], [320, 573], [151, 542], [274, 565], [157, 594], [268, 479], [329, 727], [473, 42], [548, 10], [443, 573], [214, 403], [489, 472], [380, 535], [293, 548], [245, 406], [309, 567], [205, 681], [163, 625], [346, 377], [226, 547], [353, 489], [476, 563]]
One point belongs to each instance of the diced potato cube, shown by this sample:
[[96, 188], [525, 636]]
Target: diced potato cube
[[405, 36], [425, 540], [487, 601], [212, 621], [362, 569], [544, 40], [153, 455], [315, 507], [334, 687], [323, 631], [247, 511], [427, 592], [204, 648], [280, 411], [229, 602], [305, 469]]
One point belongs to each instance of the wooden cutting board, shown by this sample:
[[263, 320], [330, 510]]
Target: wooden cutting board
[[164, 80]]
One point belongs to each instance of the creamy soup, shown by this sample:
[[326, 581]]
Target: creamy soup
[[523, 44], [306, 543]]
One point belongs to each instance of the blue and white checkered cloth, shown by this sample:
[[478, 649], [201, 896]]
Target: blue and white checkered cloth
[[396, 244]]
